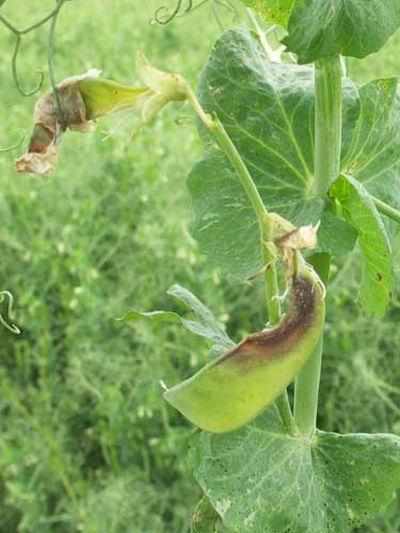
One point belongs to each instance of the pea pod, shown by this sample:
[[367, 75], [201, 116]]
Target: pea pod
[[102, 96], [234, 388]]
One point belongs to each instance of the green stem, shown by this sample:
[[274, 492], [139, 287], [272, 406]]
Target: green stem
[[386, 209], [225, 143], [328, 122], [218, 131], [307, 382], [328, 128]]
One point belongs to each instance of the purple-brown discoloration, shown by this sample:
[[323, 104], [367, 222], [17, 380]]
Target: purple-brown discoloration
[[277, 342]]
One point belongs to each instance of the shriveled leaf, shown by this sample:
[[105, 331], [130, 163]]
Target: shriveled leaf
[[259, 479], [207, 326], [359, 209], [274, 133], [277, 11], [357, 28]]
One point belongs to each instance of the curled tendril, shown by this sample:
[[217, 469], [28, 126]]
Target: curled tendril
[[15, 72], [165, 15], [50, 62], [20, 33], [5, 322], [16, 145]]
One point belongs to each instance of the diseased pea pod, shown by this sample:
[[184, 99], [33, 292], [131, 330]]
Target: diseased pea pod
[[87, 97], [234, 388]]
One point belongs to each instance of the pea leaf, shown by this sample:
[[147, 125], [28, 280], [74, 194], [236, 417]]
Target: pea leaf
[[259, 479], [357, 28], [277, 11], [207, 326], [371, 141], [336, 236], [275, 136], [359, 209], [206, 519], [268, 110]]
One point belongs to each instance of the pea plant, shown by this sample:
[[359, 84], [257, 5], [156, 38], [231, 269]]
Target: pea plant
[[300, 167]]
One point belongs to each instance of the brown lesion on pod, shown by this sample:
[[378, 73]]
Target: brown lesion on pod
[[280, 341]]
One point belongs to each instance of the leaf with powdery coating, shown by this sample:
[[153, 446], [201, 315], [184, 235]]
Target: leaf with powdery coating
[[261, 480]]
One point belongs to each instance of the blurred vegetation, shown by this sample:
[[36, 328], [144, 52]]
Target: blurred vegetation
[[86, 442]]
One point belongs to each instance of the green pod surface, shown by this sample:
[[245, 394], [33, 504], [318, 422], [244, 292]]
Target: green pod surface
[[234, 388], [102, 96]]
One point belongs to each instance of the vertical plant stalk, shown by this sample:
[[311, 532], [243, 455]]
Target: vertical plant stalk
[[328, 122], [217, 130], [328, 129]]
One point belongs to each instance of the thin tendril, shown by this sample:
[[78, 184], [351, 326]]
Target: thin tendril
[[14, 70], [16, 145], [164, 15], [5, 322], [168, 16], [216, 16], [19, 33], [50, 62]]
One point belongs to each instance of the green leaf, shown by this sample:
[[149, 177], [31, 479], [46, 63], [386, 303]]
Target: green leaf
[[357, 28], [152, 316], [261, 480], [276, 11], [359, 209], [275, 136], [335, 236], [207, 326], [371, 140], [206, 519], [268, 110]]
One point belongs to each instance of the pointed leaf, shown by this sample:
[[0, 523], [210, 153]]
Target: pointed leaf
[[208, 326], [322, 28], [360, 211], [259, 479], [206, 519]]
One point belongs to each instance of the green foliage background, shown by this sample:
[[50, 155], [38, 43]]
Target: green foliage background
[[86, 442]]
